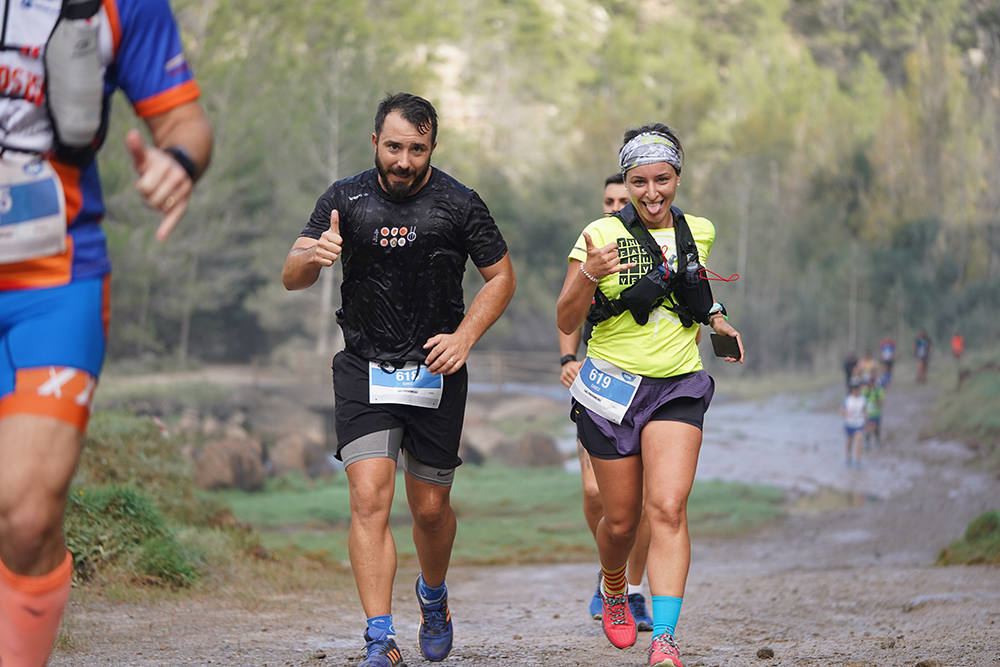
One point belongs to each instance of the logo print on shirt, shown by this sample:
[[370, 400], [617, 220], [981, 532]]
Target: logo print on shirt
[[58, 382], [16, 82], [394, 237]]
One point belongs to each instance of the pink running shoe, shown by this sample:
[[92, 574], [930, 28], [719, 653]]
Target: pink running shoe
[[663, 652], [617, 620]]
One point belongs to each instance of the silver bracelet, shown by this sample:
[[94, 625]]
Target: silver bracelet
[[584, 272]]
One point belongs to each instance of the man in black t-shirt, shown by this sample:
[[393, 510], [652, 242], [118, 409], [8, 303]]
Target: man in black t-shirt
[[404, 231]]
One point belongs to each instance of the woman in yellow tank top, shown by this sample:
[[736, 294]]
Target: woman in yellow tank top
[[641, 396]]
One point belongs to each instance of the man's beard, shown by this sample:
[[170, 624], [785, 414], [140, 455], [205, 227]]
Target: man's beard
[[404, 189]]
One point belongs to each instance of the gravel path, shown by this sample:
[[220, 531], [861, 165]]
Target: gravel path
[[845, 579]]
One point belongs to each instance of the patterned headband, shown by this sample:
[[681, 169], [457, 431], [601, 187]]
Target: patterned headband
[[648, 148]]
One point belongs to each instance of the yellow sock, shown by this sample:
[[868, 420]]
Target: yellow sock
[[30, 611]]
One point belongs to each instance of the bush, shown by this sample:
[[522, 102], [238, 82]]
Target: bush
[[981, 543], [118, 526]]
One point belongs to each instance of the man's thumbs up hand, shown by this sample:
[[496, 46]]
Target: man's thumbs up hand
[[330, 244]]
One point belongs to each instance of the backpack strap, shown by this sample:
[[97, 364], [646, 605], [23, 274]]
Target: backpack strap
[[687, 249], [604, 308]]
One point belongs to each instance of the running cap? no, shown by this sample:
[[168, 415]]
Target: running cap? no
[[647, 148]]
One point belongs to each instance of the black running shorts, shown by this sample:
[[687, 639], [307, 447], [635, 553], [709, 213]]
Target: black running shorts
[[681, 409], [430, 435]]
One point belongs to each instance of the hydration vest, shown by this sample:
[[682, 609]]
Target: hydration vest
[[685, 292], [74, 82]]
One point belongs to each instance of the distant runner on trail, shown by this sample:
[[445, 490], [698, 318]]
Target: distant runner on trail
[[850, 361], [615, 198], [887, 354], [922, 351], [642, 393], [60, 63], [874, 395], [854, 411], [404, 231], [866, 369]]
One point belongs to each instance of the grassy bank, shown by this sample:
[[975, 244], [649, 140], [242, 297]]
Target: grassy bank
[[966, 408], [979, 545], [505, 515], [135, 517]]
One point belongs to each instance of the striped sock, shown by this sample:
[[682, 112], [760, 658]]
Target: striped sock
[[30, 611], [666, 611], [614, 582]]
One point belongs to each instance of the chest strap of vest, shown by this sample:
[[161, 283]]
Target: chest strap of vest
[[604, 308]]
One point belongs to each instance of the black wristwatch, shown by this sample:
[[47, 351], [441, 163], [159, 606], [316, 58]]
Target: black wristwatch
[[718, 308], [566, 358], [184, 160]]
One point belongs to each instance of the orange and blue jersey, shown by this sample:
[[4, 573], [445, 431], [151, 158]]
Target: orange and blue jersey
[[141, 50], [54, 266]]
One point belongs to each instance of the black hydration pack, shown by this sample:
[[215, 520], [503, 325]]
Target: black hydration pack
[[685, 292]]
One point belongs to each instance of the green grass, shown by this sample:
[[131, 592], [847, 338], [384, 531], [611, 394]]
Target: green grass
[[116, 526], [981, 543], [969, 413], [505, 515]]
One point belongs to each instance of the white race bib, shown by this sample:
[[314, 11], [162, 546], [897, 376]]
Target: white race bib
[[412, 384], [604, 388], [32, 211]]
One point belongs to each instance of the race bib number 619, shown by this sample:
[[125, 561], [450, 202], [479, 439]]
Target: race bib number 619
[[604, 388]]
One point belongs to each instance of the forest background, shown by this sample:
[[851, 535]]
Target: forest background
[[847, 153]]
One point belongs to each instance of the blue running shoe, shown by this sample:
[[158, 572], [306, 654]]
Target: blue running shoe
[[381, 653], [637, 603], [595, 602], [436, 632]]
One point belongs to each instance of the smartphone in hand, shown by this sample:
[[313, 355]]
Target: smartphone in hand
[[725, 346]]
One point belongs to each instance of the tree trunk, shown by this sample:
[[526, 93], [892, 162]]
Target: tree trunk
[[186, 311]]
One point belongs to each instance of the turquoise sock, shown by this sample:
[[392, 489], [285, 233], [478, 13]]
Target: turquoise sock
[[666, 611], [431, 594], [380, 627]]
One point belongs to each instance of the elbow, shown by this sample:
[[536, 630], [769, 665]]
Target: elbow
[[506, 283], [565, 328], [290, 280]]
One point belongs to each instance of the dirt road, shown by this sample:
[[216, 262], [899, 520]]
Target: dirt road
[[845, 579]]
